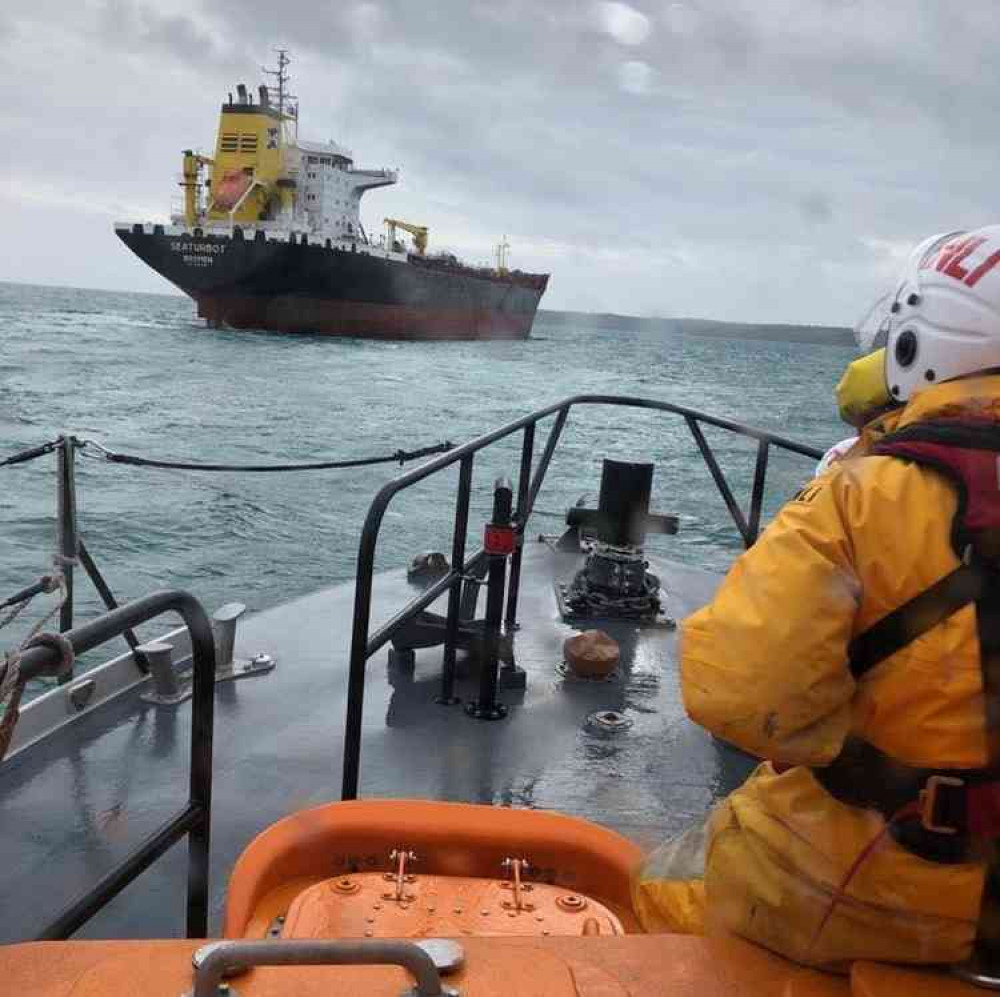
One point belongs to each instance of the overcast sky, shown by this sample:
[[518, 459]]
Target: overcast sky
[[755, 160]]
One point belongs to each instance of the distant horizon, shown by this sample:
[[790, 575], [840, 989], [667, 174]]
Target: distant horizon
[[541, 311]]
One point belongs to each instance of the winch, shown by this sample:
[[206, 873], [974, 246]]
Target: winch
[[615, 582]]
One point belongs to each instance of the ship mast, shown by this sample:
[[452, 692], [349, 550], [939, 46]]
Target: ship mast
[[279, 93], [502, 255]]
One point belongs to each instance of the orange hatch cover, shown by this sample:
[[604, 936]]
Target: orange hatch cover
[[368, 905], [461, 855]]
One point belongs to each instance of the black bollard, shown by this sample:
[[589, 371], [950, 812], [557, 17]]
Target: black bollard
[[499, 542]]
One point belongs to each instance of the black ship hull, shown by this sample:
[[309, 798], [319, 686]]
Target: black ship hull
[[257, 283]]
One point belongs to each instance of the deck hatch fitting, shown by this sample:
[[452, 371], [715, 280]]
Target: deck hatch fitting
[[608, 721]]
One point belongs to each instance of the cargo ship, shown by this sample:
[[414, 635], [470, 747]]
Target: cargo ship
[[270, 237]]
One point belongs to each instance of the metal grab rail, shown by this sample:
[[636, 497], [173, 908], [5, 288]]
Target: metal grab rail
[[194, 819], [217, 960], [363, 645]]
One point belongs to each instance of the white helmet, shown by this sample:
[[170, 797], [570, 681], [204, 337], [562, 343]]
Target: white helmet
[[943, 320]]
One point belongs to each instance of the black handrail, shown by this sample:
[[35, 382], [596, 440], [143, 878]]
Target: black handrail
[[195, 818], [363, 645]]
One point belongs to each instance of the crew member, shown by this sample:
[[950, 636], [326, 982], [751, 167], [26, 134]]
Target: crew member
[[856, 648]]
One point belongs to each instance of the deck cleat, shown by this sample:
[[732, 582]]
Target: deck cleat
[[227, 667], [168, 689]]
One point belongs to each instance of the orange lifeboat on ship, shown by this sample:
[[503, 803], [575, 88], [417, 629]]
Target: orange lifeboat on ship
[[228, 191]]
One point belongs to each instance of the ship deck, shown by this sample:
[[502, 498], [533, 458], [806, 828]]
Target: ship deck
[[77, 802]]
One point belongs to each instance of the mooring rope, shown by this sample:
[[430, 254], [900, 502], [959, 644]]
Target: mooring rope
[[93, 449], [30, 454], [11, 681]]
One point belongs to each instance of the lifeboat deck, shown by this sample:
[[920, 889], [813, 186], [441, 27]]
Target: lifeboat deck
[[77, 802]]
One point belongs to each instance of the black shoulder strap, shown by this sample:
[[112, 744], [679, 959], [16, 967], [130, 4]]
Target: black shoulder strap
[[988, 631], [914, 618]]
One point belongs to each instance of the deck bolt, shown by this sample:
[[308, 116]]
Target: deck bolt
[[458, 910], [369, 933]]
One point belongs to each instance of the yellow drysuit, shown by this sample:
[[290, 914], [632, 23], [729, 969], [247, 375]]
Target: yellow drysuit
[[764, 667]]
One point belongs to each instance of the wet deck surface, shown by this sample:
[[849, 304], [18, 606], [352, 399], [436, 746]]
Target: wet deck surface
[[72, 806]]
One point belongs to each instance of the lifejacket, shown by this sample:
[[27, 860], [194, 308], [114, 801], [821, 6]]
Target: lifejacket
[[938, 813]]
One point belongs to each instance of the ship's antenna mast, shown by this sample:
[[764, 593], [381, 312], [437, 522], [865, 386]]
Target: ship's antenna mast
[[279, 93]]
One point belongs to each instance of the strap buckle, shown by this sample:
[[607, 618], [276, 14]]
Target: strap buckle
[[928, 800]]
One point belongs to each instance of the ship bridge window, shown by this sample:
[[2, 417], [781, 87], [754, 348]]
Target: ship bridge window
[[230, 141]]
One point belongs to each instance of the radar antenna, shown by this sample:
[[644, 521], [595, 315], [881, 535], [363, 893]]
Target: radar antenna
[[279, 94]]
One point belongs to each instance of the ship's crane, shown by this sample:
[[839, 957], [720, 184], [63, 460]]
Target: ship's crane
[[193, 165], [419, 233]]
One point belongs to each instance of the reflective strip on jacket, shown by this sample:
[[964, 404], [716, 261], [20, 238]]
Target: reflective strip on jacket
[[764, 667]]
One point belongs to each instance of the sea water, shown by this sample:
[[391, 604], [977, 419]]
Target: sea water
[[140, 374]]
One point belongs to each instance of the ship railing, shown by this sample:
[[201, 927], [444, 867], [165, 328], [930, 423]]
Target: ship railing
[[364, 643], [195, 817]]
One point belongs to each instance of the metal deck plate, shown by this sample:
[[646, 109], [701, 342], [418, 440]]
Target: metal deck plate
[[80, 800]]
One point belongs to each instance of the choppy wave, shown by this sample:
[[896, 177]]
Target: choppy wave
[[138, 373]]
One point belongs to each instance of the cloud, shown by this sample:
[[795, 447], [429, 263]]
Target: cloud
[[816, 206], [624, 23], [725, 158], [137, 26], [635, 77], [77, 200]]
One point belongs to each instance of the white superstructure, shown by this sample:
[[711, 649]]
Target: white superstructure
[[331, 190]]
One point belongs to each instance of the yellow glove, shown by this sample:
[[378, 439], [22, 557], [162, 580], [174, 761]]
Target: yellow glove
[[861, 391]]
